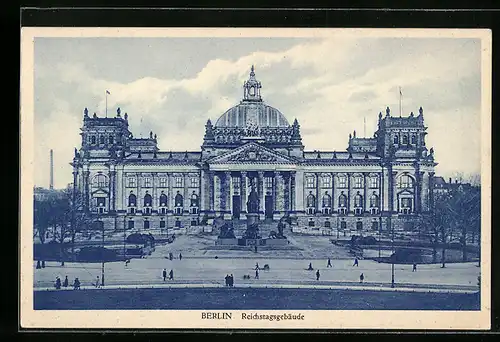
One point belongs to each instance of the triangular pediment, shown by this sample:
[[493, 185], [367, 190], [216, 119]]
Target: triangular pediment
[[252, 153]]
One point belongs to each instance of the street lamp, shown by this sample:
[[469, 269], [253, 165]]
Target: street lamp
[[392, 256]]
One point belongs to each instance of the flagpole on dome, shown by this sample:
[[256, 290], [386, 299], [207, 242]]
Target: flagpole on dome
[[107, 92]]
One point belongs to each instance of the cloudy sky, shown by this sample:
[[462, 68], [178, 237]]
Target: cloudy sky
[[173, 85]]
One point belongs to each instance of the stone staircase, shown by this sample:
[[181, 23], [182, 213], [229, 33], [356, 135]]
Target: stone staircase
[[265, 227]]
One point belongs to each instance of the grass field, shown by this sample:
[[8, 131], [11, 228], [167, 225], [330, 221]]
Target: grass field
[[246, 298]]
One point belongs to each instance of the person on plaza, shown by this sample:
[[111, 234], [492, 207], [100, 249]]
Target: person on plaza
[[255, 248], [231, 280], [180, 256], [58, 283], [310, 268], [38, 265], [66, 282], [226, 279], [414, 267], [164, 274], [127, 262], [171, 256], [317, 275], [256, 273], [76, 284], [97, 283], [171, 275], [256, 265], [361, 278], [329, 264], [356, 262], [43, 263]]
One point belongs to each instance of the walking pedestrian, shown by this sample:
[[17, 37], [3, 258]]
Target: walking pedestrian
[[329, 264], [66, 282], [171, 275], [256, 273], [180, 256], [356, 262], [164, 274], [38, 265], [97, 282], [256, 265], [76, 284], [361, 278], [58, 283], [414, 267], [310, 268], [317, 275]]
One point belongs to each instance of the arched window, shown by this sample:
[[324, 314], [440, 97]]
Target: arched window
[[359, 225], [111, 140], [396, 139], [311, 200], [163, 200], [93, 140], [194, 200], [342, 200], [132, 200], [413, 139], [101, 139], [405, 182], [405, 139], [374, 201], [100, 181], [148, 200], [327, 200], [358, 200], [179, 200]]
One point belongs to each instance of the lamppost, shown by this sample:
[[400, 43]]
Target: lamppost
[[379, 234]]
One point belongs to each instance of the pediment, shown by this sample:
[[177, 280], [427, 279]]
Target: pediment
[[252, 153]]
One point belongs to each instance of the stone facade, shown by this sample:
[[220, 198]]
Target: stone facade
[[376, 183]]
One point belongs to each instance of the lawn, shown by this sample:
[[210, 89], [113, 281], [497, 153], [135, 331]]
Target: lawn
[[246, 298]]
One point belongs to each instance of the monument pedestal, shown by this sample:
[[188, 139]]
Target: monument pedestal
[[252, 218]]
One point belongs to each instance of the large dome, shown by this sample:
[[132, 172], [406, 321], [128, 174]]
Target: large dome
[[252, 111], [257, 113]]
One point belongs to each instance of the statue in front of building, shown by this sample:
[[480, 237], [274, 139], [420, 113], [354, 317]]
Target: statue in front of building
[[253, 202]]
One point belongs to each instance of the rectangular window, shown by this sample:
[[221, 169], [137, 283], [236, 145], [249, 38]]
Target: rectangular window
[[311, 223], [374, 225], [310, 182], [269, 182], [236, 183], [147, 182], [93, 140], [343, 225], [358, 183], [327, 182], [374, 182], [163, 182], [130, 224], [131, 182], [195, 182], [342, 182], [162, 224], [146, 224], [178, 182]]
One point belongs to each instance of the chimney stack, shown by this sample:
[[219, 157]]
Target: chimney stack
[[51, 186]]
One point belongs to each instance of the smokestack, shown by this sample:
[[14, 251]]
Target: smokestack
[[51, 186]]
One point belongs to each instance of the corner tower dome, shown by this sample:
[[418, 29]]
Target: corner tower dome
[[252, 111]]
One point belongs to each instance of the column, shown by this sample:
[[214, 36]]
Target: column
[[334, 197], [217, 191], [140, 197], [279, 191], [418, 191], [385, 186], [211, 190], [275, 191], [186, 193], [112, 189], [348, 192], [287, 193], [170, 191], [393, 199], [154, 195], [261, 192], [86, 190], [431, 190], [227, 186], [243, 193], [366, 203], [316, 176], [292, 191], [203, 185], [120, 186], [299, 191]]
